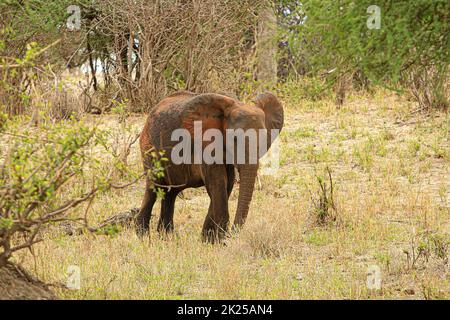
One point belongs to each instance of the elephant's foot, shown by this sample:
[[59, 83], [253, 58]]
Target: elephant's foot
[[213, 236], [165, 230], [141, 226], [164, 226], [235, 228], [141, 232], [142, 221]]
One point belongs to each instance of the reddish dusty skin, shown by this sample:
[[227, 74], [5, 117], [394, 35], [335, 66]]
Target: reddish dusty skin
[[221, 112]]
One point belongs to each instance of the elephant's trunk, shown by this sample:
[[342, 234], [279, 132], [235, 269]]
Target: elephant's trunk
[[247, 175]]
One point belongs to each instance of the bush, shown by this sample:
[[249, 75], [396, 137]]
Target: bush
[[409, 50], [46, 172], [304, 88]]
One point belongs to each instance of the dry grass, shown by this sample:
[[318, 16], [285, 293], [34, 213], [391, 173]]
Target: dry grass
[[392, 196]]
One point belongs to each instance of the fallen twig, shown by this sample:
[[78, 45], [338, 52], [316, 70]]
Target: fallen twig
[[123, 219]]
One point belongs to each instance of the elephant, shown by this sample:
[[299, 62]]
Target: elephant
[[182, 110]]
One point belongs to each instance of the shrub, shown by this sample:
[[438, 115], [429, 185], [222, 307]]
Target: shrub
[[324, 208], [46, 172]]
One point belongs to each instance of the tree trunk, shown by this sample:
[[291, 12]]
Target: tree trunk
[[267, 46], [17, 284]]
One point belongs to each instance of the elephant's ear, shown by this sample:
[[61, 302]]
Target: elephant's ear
[[211, 109], [273, 110]]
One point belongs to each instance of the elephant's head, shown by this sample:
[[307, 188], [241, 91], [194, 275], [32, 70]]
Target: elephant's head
[[221, 112]]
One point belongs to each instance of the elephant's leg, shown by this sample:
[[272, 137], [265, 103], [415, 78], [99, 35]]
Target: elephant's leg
[[165, 223], [208, 225], [209, 222], [143, 219], [216, 222], [231, 175]]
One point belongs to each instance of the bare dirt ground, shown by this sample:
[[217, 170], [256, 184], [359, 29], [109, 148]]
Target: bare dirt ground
[[17, 284], [390, 168]]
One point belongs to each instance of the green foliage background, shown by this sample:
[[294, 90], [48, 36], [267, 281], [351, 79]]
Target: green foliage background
[[334, 35]]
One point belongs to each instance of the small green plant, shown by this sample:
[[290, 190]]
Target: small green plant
[[120, 108], [440, 245], [365, 151], [316, 237], [414, 147], [303, 132], [317, 155], [425, 244], [387, 135], [304, 89], [156, 170], [109, 230], [384, 258], [439, 151], [364, 157]]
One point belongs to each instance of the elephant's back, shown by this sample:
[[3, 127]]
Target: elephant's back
[[163, 119]]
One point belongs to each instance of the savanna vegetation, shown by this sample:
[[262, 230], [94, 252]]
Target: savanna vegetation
[[363, 179]]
